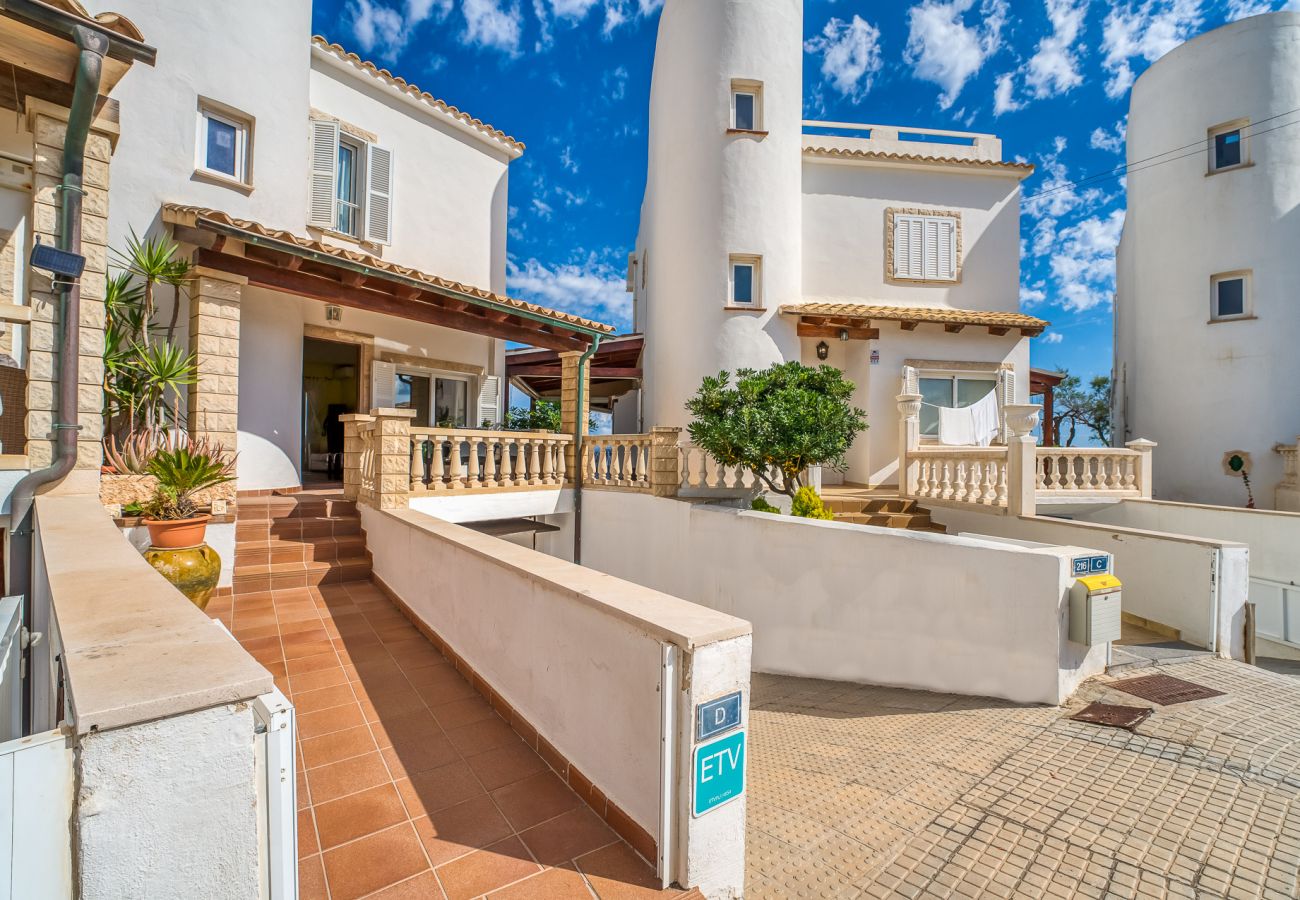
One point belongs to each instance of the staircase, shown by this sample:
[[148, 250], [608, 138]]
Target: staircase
[[297, 540], [881, 510]]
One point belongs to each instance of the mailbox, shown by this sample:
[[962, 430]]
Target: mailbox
[[1095, 609]]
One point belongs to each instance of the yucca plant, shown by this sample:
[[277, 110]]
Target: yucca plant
[[182, 473], [154, 261]]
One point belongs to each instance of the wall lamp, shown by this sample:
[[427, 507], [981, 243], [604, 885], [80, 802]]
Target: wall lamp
[[333, 313], [823, 350], [844, 334]]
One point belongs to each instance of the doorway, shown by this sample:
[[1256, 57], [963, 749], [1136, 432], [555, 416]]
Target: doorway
[[331, 387]]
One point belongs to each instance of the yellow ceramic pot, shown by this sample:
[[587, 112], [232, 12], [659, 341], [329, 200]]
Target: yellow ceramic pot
[[194, 570]]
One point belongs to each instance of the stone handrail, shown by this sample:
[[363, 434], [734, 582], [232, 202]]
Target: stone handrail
[[618, 460], [452, 459], [962, 474], [1101, 470]]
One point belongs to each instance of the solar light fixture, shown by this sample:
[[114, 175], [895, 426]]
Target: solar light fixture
[[61, 263]]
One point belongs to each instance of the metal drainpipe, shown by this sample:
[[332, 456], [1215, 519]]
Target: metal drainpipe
[[579, 427], [93, 46]]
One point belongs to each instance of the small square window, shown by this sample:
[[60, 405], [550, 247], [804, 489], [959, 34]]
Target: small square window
[[747, 106], [1230, 296], [746, 282], [224, 143], [1227, 146]]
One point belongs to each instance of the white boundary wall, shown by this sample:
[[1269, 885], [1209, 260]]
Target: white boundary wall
[[856, 603], [582, 657], [1196, 585]]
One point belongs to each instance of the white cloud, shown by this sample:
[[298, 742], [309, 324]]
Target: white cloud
[[489, 24], [1112, 140], [943, 49], [1031, 296], [567, 160], [593, 289], [543, 209], [378, 29], [1053, 337], [1054, 67], [1240, 9], [850, 55], [572, 12], [1147, 31], [1004, 100], [1083, 263]]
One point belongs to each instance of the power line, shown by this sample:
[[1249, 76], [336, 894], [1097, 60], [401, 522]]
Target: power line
[[1136, 166]]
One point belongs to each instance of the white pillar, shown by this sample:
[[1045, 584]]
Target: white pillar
[[909, 439]]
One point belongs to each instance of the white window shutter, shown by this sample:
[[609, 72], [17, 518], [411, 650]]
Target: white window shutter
[[911, 381], [379, 195], [1008, 397], [925, 247], [383, 385], [489, 400], [322, 192], [902, 246], [947, 248]]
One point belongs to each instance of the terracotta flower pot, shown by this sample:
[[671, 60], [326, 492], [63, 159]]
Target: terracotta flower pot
[[174, 534]]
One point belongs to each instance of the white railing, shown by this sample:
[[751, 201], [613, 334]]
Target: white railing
[[450, 459], [962, 474], [620, 460], [702, 473], [1092, 470], [1277, 609]]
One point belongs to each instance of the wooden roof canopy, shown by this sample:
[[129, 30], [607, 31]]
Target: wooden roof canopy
[[285, 262], [859, 320], [615, 369]]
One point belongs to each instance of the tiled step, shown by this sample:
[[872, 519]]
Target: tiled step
[[279, 549], [297, 506], [915, 521], [283, 576], [883, 505], [294, 528]]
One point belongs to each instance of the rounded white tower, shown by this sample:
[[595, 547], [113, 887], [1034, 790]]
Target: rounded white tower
[[1207, 321], [723, 189]]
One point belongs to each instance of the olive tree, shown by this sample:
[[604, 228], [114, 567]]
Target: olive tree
[[777, 422]]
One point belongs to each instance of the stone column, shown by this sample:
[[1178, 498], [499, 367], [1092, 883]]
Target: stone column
[[909, 439], [570, 415], [1022, 458], [48, 124], [352, 453], [213, 405], [1144, 469], [392, 447], [665, 461]]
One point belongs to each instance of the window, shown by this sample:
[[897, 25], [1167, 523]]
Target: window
[[224, 143], [351, 184], [438, 400], [746, 282], [950, 392], [747, 106], [1227, 145], [924, 246], [1230, 296]]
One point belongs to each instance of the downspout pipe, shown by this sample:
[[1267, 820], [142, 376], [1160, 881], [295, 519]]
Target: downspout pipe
[[579, 430], [92, 47]]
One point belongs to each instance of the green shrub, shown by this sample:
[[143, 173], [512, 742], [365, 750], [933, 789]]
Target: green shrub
[[761, 505], [808, 505]]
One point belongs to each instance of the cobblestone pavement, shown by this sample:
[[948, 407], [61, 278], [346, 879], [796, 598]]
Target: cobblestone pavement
[[859, 791]]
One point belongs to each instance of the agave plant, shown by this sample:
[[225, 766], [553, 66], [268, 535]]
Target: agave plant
[[182, 473]]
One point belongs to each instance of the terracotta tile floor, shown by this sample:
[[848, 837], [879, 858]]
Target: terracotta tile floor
[[409, 785]]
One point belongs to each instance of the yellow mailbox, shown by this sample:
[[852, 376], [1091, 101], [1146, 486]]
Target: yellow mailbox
[[1095, 609]]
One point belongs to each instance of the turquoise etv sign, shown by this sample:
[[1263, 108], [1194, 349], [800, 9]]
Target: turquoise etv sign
[[719, 773]]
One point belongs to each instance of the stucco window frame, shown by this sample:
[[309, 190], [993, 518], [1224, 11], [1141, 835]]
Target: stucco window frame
[[245, 127], [1222, 128], [745, 259], [1247, 296], [959, 262], [751, 88]]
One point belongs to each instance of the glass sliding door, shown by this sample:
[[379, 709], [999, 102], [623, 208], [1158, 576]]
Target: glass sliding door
[[950, 392], [413, 392], [451, 402], [438, 400]]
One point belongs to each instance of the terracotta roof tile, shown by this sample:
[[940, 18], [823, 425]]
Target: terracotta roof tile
[[402, 84], [938, 315], [179, 214], [115, 22], [1025, 169]]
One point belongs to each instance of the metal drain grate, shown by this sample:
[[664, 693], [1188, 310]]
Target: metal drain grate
[[1112, 716], [1165, 689]]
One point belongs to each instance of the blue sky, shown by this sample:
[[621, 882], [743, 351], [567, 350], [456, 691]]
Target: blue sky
[[571, 78]]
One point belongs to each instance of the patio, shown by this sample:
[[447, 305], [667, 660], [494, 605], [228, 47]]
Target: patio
[[409, 784]]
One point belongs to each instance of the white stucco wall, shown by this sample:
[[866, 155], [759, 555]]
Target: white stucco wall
[[169, 809], [1196, 585], [853, 603], [1202, 389]]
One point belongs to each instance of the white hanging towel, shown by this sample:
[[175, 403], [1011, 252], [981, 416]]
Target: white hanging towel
[[956, 427], [986, 420]]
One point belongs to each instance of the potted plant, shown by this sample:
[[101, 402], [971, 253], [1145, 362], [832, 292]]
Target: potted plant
[[172, 514]]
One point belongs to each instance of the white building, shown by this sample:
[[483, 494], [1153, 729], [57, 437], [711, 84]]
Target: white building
[[765, 237], [358, 222], [1206, 321]]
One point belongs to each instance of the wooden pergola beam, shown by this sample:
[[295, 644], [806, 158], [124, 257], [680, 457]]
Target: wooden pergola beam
[[908, 325], [369, 297], [999, 330], [954, 327], [831, 331]]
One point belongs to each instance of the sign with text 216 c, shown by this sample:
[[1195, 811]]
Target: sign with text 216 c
[[719, 773]]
